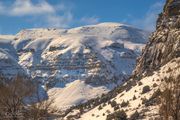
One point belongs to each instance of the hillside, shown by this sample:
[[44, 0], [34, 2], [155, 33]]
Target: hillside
[[71, 64], [138, 98], [8, 57]]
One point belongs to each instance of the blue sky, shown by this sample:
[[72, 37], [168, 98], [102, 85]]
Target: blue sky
[[20, 14]]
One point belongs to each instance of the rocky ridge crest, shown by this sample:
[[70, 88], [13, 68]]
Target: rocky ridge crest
[[164, 43]]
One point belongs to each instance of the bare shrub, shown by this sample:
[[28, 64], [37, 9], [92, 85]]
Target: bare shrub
[[12, 94], [13, 100]]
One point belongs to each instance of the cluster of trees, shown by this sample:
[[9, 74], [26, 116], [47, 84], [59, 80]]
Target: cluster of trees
[[13, 95], [102, 100], [170, 99], [119, 115]]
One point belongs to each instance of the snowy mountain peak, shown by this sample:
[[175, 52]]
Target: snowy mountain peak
[[39, 33], [111, 24], [100, 56], [113, 31]]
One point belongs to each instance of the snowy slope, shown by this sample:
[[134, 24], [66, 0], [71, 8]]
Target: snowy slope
[[6, 44], [7, 37], [112, 43], [142, 103], [8, 57], [74, 93], [93, 58], [9, 66], [140, 96]]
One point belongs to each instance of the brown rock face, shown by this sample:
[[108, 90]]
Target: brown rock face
[[172, 7], [164, 43]]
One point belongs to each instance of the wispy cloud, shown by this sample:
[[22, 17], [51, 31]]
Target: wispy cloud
[[52, 16], [0, 30], [44, 14], [148, 22], [26, 7], [60, 21], [89, 20]]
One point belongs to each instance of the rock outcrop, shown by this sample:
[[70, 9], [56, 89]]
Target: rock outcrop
[[164, 44]]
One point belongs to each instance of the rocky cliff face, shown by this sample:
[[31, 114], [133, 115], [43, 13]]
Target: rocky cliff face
[[164, 42]]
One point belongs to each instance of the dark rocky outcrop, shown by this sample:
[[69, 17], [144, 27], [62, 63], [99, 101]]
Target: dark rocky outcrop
[[164, 43]]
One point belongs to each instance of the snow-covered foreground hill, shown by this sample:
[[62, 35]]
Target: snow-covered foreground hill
[[132, 97], [75, 65]]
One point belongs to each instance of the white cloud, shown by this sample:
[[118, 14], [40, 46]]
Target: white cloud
[[60, 21], [26, 7], [44, 14], [1, 8], [89, 20], [148, 22]]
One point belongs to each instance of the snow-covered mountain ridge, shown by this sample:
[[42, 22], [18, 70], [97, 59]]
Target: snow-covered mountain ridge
[[93, 58], [140, 98]]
